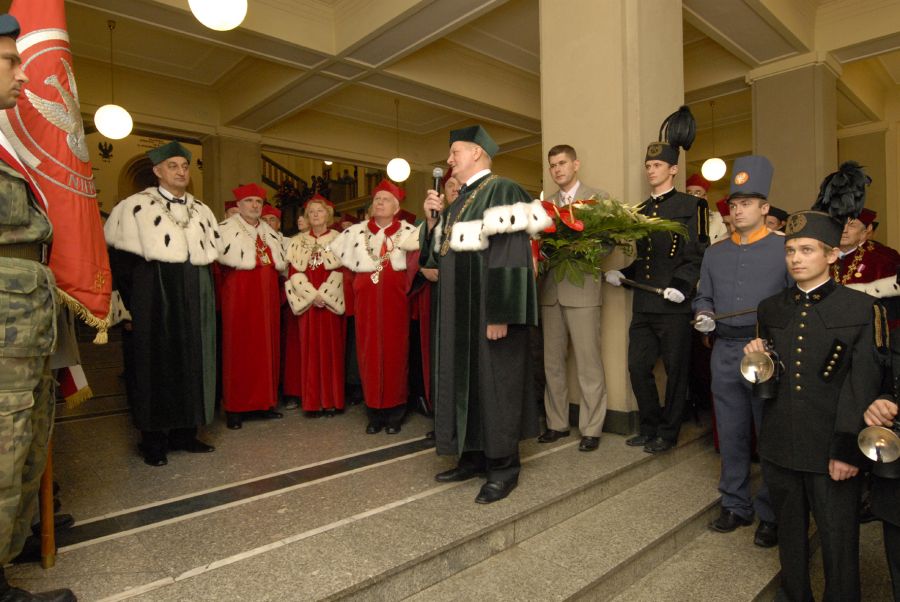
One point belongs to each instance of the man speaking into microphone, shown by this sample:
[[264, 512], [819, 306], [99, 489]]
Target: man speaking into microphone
[[486, 306]]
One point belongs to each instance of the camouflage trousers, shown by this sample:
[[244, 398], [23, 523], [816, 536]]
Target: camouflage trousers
[[26, 420]]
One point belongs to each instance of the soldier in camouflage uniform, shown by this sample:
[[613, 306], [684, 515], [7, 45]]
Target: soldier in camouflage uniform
[[27, 335]]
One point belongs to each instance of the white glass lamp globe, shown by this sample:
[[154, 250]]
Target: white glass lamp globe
[[713, 169], [220, 15], [113, 121], [398, 169], [328, 163]]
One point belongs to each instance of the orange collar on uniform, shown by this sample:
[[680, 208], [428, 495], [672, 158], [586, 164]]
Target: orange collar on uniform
[[754, 236]]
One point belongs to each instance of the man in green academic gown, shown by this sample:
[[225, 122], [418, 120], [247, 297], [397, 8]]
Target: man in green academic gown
[[486, 306]]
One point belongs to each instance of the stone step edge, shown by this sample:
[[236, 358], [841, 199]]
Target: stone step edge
[[394, 583]]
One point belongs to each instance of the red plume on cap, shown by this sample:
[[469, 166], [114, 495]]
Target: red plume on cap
[[389, 186], [722, 206], [245, 190], [698, 180], [270, 210]]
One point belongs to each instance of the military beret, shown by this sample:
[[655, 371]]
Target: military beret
[[9, 26]]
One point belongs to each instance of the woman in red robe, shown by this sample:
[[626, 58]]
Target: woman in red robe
[[315, 292], [375, 251], [250, 258]]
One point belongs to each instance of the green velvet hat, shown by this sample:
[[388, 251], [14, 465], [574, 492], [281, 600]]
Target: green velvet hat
[[479, 136], [816, 225], [167, 151]]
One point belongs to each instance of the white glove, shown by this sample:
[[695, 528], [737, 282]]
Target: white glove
[[673, 294], [614, 277], [704, 323]]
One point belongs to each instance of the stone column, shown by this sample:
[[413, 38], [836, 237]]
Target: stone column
[[228, 162], [795, 125], [611, 71]]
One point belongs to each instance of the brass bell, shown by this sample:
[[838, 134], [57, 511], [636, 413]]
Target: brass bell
[[757, 367], [879, 443]]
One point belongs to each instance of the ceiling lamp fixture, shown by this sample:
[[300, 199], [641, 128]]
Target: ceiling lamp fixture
[[713, 168], [221, 15], [398, 167], [111, 120], [328, 163]]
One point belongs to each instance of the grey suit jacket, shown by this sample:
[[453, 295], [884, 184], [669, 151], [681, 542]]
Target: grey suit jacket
[[564, 292]]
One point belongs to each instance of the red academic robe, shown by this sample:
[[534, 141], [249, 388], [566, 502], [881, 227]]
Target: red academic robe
[[320, 336], [250, 303], [381, 309]]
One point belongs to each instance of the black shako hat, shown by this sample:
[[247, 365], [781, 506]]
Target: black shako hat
[[816, 225], [676, 132]]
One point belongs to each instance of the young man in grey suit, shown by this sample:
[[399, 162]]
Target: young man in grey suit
[[572, 312]]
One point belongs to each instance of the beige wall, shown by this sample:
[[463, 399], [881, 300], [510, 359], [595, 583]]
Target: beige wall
[[869, 151]]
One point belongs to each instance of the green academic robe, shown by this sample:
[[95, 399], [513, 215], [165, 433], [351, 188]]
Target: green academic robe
[[483, 389]]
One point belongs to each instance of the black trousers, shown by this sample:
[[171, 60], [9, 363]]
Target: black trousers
[[892, 549], [386, 416], [160, 442], [504, 469], [652, 336], [835, 506]]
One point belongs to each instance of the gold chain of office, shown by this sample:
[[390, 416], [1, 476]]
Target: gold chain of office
[[448, 233]]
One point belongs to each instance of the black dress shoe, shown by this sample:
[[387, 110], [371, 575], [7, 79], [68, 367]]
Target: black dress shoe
[[728, 521], [494, 491], [550, 436], [14, 594], [153, 456], [373, 428], [272, 414], [233, 420], [330, 413], [589, 444], [638, 440], [766, 534], [195, 446], [456, 474], [392, 430], [658, 446]]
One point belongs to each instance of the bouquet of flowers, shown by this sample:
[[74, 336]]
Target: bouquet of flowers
[[584, 232]]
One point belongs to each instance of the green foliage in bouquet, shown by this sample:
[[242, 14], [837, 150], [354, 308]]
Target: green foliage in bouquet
[[586, 232]]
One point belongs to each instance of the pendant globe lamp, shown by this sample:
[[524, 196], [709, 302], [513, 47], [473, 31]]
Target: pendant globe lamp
[[111, 120], [713, 168], [398, 168], [220, 15]]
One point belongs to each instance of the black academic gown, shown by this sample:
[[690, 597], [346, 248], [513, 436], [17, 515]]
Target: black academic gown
[[483, 392]]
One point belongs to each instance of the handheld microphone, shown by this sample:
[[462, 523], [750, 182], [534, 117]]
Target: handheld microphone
[[437, 174]]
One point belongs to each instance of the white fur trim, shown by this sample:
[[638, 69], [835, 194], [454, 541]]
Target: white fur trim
[[882, 288], [300, 293], [438, 234], [299, 250], [409, 240], [350, 248], [538, 219], [469, 236], [332, 291], [238, 250], [140, 225]]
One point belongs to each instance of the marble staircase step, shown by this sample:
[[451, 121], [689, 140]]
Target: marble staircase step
[[602, 550]]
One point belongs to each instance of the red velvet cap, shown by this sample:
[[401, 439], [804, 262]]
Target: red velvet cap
[[722, 206], [346, 217], [409, 216], [320, 199], [389, 186], [867, 216], [270, 210], [230, 205], [698, 180], [245, 190]]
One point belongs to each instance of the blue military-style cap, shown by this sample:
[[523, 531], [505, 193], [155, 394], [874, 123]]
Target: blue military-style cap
[[167, 151], [479, 136], [9, 26], [752, 177]]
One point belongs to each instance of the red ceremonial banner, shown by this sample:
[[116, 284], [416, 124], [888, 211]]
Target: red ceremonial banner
[[47, 132]]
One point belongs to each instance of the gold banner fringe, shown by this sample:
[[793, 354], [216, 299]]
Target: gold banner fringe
[[102, 325], [79, 397]]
